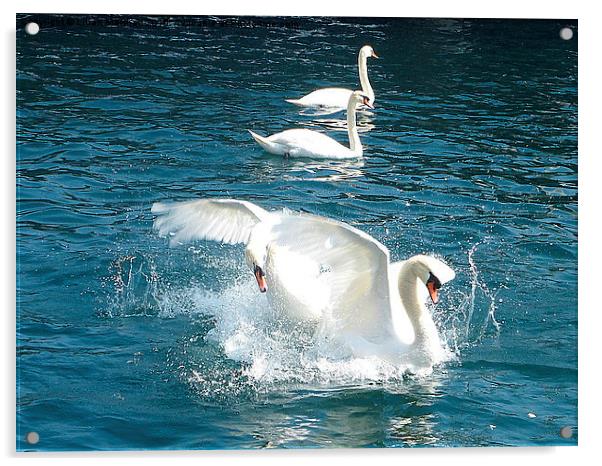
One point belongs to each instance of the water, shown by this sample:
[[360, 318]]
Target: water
[[471, 154]]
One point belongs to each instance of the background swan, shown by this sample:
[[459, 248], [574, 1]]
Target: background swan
[[336, 98], [313, 144], [318, 269]]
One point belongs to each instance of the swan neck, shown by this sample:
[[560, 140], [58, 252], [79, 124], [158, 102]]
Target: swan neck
[[354, 139], [420, 317], [362, 62]]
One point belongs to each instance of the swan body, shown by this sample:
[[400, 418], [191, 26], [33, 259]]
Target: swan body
[[305, 143], [320, 270], [329, 97], [336, 98]]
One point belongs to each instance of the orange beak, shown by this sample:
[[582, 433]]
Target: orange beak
[[433, 292], [260, 277], [374, 54], [367, 103]]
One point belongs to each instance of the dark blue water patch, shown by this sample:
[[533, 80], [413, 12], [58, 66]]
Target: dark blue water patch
[[470, 154]]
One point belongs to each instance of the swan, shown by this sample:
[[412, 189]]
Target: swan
[[318, 269], [305, 143], [336, 97]]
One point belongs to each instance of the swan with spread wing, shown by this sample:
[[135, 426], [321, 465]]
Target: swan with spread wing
[[318, 269]]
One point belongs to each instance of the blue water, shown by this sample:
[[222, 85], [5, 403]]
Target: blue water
[[470, 154]]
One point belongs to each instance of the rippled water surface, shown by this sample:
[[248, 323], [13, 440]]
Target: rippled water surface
[[470, 154]]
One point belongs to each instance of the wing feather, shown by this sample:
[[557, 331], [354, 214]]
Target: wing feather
[[353, 266], [225, 220]]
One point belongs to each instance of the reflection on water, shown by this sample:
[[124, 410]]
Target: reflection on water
[[338, 170], [319, 111], [364, 123], [414, 430], [283, 430], [365, 415]]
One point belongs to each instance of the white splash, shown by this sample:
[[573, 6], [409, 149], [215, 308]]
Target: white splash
[[464, 326], [272, 349], [269, 348]]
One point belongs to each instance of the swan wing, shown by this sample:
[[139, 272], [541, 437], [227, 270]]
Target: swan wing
[[333, 97], [226, 220], [301, 137], [304, 142], [351, 271]]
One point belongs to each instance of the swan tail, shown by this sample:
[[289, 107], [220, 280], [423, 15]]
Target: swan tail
[[262, 141], [294, 102]]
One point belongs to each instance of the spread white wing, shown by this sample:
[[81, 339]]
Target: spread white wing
[[226, 220], [352, 270]]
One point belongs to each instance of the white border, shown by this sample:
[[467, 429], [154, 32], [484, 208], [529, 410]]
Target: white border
[[590, 198], [461, 8]]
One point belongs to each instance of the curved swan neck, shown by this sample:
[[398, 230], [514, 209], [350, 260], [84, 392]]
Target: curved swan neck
[[362, 62], [421, 319], [354, 139]]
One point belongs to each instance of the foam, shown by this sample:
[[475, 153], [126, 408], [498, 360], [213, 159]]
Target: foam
[[272, 350]]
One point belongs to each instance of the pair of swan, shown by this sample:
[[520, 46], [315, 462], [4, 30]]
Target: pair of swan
[[317, 269], [304, 143]]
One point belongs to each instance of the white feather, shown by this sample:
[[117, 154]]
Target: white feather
[[225, 220]]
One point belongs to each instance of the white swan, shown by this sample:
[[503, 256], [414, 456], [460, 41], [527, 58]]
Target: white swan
[[317, 269], [336, 98], [312, 144]]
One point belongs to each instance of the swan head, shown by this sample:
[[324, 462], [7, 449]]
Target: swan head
[[432, 272], [358, 98], [256, 261], [368, 51]]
